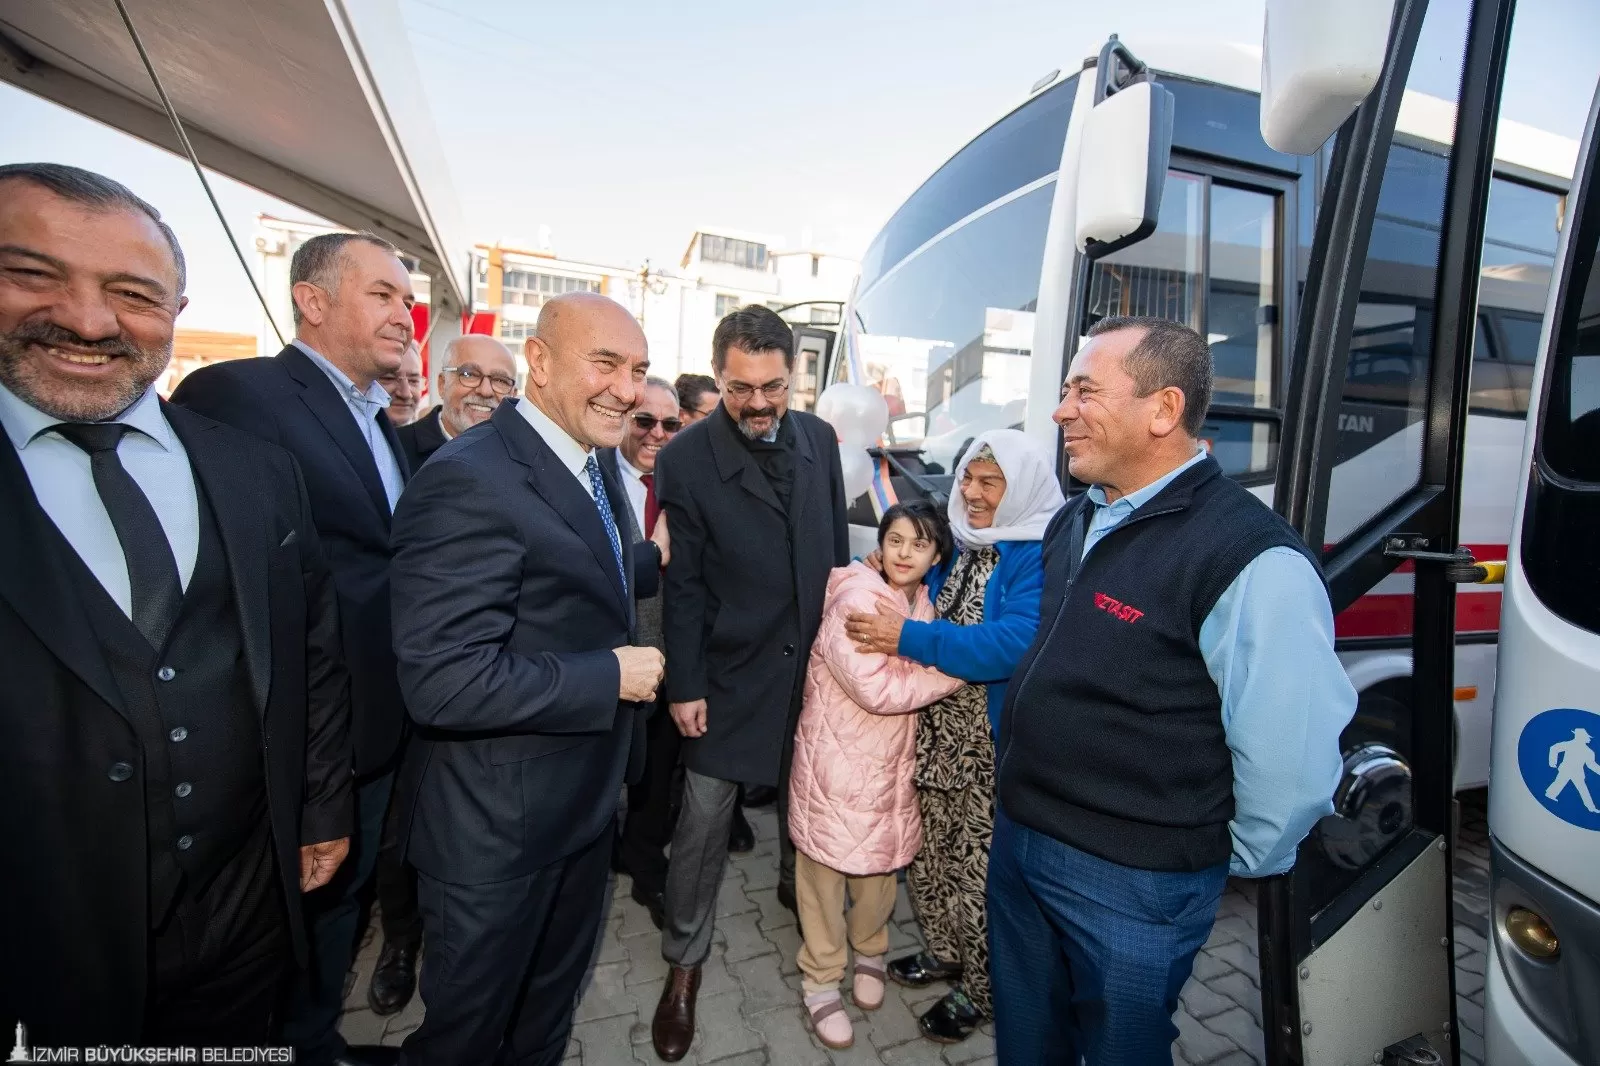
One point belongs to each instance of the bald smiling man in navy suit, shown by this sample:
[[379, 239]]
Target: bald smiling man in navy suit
[[514, 587]]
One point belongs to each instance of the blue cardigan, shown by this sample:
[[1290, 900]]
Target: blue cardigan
[[989, 651]]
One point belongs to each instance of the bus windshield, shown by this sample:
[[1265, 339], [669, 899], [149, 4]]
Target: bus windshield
[[943, 321]]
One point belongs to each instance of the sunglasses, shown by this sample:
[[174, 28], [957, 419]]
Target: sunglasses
[[648, 422]]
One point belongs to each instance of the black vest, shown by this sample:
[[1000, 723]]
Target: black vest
[[1112, 739], [196, 720]]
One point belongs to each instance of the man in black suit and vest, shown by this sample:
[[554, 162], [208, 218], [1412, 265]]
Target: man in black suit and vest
[[174, 760], [475, 374], [755, 499], [320, 399], [514, 589]]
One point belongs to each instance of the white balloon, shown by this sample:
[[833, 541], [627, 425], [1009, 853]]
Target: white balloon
[[858, 413], [857, 467]]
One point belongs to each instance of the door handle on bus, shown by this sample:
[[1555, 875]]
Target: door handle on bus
[[1459, 566]]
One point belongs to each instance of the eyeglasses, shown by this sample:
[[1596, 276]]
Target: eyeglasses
[[772, 390], [648, 422], [472, 377]]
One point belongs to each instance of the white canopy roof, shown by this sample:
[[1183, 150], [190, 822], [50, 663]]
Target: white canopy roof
[[316, 102]]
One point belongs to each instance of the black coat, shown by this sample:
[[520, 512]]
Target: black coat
[[74, 925], [507, 605], [745, 584], [421, 438], [289, 401]]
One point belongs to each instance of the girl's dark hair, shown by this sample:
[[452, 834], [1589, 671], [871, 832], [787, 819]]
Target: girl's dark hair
[[929, 521]]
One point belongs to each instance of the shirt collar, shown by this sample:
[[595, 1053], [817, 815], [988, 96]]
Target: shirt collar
[[24, 423], [375, 394], [627, 467], [1135, 500], [573, 455]]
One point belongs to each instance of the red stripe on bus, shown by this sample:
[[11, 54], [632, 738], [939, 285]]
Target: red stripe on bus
[[1389, 615]]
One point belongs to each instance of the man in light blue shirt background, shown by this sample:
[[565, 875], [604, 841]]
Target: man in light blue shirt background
[[1177, 718]]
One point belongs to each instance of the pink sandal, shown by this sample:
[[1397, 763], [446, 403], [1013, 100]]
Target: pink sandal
[[871, 970], [834, 1035]]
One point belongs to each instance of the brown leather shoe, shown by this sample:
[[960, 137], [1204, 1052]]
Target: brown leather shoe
[[672, 1031]]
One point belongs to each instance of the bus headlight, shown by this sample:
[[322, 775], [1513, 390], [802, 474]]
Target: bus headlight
[[1531, 933]]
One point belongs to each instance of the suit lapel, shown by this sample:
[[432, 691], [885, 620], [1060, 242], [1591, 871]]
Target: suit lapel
[[35, 582], [243, 514], [322, 397], [611, 465], [803, 495], [617, 496], [735, 461], [557, 487]]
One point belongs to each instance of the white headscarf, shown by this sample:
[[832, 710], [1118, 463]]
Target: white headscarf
[[1032, 495]]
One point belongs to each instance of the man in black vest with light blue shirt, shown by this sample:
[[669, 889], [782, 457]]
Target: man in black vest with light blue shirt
[[1176, 719]]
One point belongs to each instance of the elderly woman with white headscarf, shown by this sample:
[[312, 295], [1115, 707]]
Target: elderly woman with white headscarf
[[987, 601]]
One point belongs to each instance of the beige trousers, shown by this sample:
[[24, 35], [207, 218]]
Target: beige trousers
[[825, 926]]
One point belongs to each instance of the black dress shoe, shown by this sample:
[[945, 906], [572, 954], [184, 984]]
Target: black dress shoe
[[786, 898], [921, 969], [394, 979], [741, 838], [654, 902], [368, 1055], [951, 1020], [760, 795]]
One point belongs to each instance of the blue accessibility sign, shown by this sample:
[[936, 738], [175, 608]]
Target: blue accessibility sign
[[1559, 755]]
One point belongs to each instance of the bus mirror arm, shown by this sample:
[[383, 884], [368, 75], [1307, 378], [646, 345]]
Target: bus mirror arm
[[1460, 567]]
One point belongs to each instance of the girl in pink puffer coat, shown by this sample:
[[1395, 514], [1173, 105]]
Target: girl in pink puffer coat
[[853, 812]]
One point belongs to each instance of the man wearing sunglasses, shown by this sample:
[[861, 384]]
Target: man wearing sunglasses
[[476, 374]]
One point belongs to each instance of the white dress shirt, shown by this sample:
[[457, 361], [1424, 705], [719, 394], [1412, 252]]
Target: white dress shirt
[[573, 455], [637, 493], [63, 482], [366, 408]]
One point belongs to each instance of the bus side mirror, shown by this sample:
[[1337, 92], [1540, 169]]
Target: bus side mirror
[[1127, 142], [1318, 62]]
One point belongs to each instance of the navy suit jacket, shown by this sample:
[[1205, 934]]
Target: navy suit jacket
[[507, 605], [288, 401]]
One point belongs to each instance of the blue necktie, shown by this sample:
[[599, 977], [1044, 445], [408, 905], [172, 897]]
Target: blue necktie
[[603, 505]]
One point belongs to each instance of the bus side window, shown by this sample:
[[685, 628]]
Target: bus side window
[[1493, 391], [1521, 334]]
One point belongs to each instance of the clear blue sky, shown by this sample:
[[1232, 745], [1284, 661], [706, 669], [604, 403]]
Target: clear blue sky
[[625, 127]]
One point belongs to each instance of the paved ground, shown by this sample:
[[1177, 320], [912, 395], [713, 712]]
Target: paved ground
[[749, 999]]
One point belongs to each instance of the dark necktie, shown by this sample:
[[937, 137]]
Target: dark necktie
[[153, 582], [652, 508], [602, 504]]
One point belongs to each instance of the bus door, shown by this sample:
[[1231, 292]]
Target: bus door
[[812, 347], [1544, 803], [1355, 944]]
